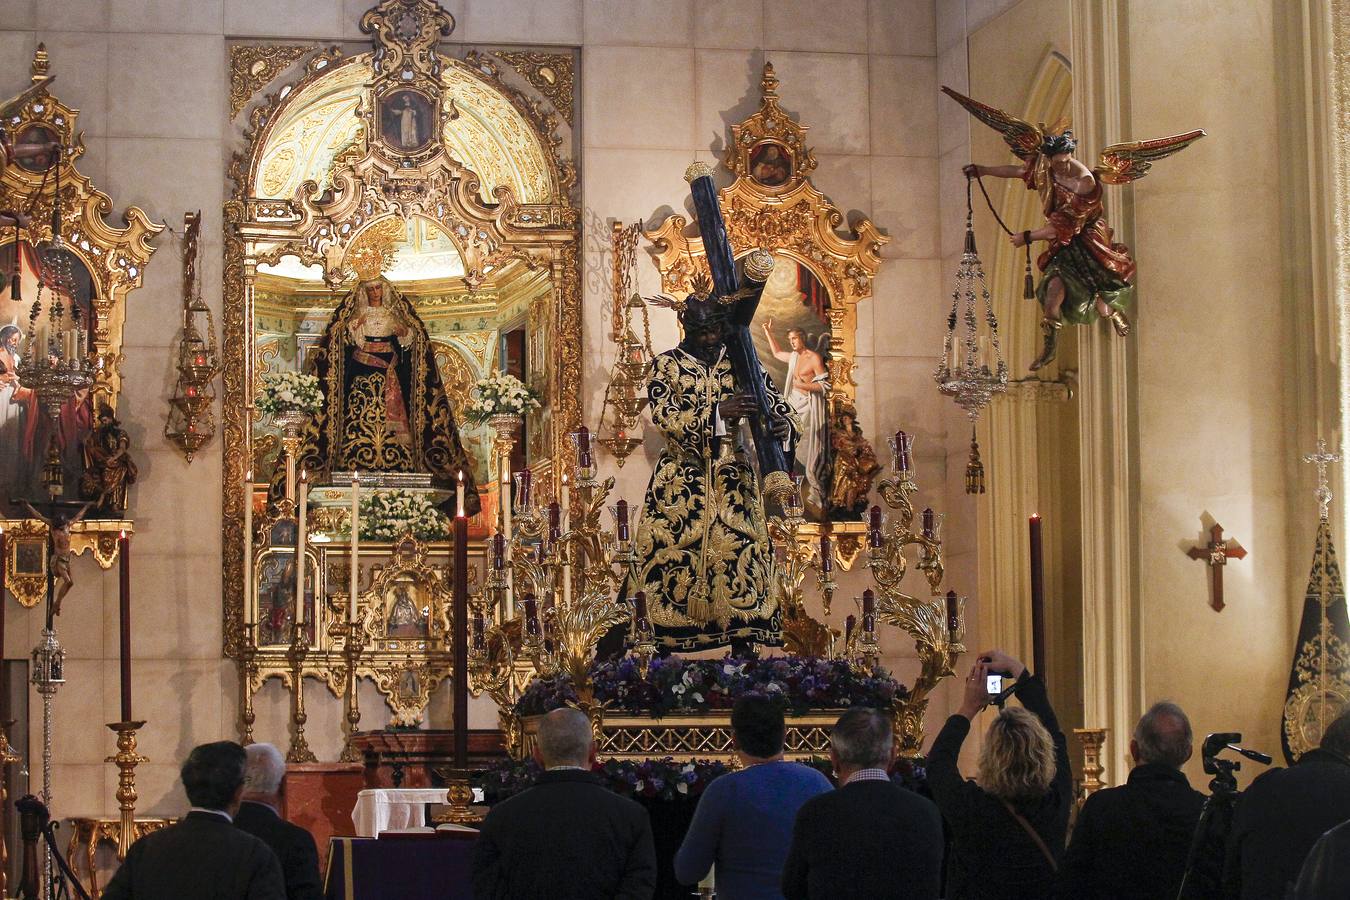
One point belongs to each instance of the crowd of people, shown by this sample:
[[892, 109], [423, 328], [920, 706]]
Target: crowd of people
[[779, 829]]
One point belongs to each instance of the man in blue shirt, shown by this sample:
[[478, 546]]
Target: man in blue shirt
[[743, 823]]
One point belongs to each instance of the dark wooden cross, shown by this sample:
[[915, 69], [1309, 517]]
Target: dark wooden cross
[[1216, 554]]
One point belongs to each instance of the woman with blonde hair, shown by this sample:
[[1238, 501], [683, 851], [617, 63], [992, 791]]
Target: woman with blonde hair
[[1008, 825]]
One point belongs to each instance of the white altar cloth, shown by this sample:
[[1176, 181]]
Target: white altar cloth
[[395, 809]]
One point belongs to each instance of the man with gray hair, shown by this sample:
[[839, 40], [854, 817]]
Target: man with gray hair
[[1131, 841], [871, 837], [567, 837], [260, 815]]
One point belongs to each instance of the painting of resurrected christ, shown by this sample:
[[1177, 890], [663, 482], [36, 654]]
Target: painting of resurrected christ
[[792, 335], [406, 120]]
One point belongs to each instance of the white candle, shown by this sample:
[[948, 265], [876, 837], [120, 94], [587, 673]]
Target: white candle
[[249, 612], [301, 540], [459, 494], [356, 545], [290, 476]]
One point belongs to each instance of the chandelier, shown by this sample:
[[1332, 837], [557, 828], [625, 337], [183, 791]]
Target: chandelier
[[972, 368]]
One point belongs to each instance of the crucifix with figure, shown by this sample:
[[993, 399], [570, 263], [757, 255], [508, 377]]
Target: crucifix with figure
[[1216, 555]]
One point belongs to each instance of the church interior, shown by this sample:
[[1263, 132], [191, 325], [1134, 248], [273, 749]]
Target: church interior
[[378, 376]]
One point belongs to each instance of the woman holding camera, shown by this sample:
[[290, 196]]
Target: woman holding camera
[[1008, 825]]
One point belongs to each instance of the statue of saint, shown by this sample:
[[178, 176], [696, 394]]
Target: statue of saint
[[385, 408], [702, 542], [108, 467]]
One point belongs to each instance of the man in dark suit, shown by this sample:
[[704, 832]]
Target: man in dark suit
[[204, 856], [870, 838], [259, 814], [1131, 842], [567, 836], [1284, 812]]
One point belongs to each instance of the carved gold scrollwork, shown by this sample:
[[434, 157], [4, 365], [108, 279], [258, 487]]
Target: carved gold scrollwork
[[253, 66], [551, 73]]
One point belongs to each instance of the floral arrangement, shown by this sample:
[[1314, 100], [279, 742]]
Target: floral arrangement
[[676, 684], [386, 515], [498, 394], [284, 392], [652, 779]]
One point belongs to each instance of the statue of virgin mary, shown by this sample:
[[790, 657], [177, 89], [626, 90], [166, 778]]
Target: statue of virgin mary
[[385, 407]]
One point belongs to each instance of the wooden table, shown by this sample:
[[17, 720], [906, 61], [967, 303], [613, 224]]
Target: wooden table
[[87, 833]]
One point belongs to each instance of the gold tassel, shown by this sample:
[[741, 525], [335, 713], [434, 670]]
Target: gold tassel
[[1029, 284], [975, 468]]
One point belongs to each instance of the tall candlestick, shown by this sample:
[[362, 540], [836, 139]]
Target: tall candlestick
[[249, 612], [461, 635], [826, 559], [1037, 598], [124, 619], [354, 576], [301, 541]]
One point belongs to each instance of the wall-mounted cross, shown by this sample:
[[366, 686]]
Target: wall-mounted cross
[[1216, 555]]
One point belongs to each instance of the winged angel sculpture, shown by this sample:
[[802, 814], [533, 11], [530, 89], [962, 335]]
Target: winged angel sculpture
[[1083, 270]]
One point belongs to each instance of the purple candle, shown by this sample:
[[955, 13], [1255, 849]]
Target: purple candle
[[498, 552], [531, 615], [869, 605], [640, 604], [927, 519], [479, 639], [826, 560], [953, 613], [583, 447], [621, 519], [849, 624], [874, 527], [554, 522]]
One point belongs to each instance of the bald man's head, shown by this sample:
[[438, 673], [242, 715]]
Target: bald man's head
[[565, 738]]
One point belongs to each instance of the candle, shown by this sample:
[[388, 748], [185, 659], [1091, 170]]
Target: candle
[[900, 446], [849, 624], [953, 613], [498, 552], [869, 603], [869, 622], [874, 527], [355, 550], [640, 605], [621, 518], [927, 519], [479, 636], [459, 493], [290, 476], [460, 617], [124, 619], [1037, 598], [248, 547], [566, 500], [301, 542], [583, 447], [523, 478], [554, 522], [531, 615], [826, 560]]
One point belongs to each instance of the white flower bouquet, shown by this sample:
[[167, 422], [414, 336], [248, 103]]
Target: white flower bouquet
[[285, 392], [386, 515], [496, 395]]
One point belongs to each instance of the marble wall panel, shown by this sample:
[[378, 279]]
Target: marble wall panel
[[82, 789], [285, 18], [951, 23], [904, 105], [352, 10], [164, 523], [729, 24], [907, 399], [952, 201], [17, 14], [827, 91], [953, 127], [167, 16], [905, 205], [800, 25], [77, 706], [169, 597], [168, 86], [910, 315], [902, 27], [17, 46], [71, 15], [159, 789], [628, 184], [639, 97], [847, 181], [80, 625], [658, 23], [535, 21]]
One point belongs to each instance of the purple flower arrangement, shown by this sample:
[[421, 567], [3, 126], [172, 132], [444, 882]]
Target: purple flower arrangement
[[651, 779], [676, 684]]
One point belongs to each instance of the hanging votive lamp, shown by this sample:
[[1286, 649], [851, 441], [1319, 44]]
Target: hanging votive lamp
[[972, 368], [191, 422]]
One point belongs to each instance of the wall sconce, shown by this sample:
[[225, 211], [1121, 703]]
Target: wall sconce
[[192, 421]]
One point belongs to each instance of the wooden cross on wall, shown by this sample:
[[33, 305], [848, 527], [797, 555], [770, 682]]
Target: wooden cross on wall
[[1216, 555]]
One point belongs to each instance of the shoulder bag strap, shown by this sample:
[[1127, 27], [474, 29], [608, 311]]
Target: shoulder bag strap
[[1026, 826]]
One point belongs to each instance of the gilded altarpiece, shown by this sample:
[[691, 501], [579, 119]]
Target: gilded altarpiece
[[466, 162], [108, 262], [809, 311]]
